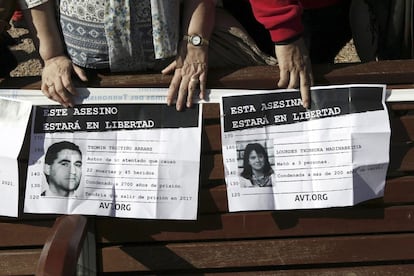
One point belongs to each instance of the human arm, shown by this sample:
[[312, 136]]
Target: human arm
[[58, 68], [190, 66], [282, 18]]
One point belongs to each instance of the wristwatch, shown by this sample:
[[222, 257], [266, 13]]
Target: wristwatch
[[196, 40]]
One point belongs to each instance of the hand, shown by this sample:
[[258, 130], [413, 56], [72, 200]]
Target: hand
[[295, 68], [189, 75], [57, 80]]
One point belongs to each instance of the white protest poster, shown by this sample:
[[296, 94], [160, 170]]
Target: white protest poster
[[118, 160], [14, 116], [277, 155]]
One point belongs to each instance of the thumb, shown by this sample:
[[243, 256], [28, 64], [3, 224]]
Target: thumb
[[170, 68], [80, 73]]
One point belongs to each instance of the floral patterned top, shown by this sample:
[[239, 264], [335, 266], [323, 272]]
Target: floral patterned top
[[123, 35]]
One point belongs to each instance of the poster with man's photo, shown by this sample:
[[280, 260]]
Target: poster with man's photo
[[278, 155], [118, 160]]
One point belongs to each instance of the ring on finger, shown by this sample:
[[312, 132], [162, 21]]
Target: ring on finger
[[194, 80]]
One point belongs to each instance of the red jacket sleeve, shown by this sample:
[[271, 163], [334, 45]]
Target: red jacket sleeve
[[281, 17]]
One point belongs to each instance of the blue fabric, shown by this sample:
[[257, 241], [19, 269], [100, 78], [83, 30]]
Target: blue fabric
[[85, 42], [118, 34]]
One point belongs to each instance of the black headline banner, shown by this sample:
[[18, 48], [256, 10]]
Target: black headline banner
[[250, 111], [111, 117]]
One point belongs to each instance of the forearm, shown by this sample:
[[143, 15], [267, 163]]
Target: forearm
[[43, 25], [281, 18], [198, 17]]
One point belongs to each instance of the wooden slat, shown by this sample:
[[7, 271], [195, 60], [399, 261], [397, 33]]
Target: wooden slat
[[212, 111], [401, 106], [387, 72], [335, 221], [17, 233], [211, 167], [32, 82], [402, 129], [258, 253], [391, 72], [401, 158], [19, 262], [265, 77], [399, 190], [400, 269]]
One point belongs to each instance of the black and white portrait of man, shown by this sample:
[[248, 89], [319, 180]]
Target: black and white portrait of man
[[62, 169]]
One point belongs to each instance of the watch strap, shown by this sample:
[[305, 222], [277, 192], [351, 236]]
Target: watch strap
[[188, 38]]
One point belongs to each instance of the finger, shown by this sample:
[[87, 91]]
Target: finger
[[49, 91], [305, 95], [192, 86], [173, 87], [45, 90], [310, 74], [80, 73], [293, 80], [60, 90], [68, 84], [283, 78], [170, 68], [54, 95], [203, 86], [182, 93], [305, 88]]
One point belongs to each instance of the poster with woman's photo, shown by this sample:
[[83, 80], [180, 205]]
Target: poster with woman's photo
[[278, 155], [118, 160]]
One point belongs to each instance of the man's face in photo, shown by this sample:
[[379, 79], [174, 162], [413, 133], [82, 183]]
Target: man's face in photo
[[66, 170]]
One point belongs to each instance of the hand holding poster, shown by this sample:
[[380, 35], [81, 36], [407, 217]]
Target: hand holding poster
[[120, 160], [277, 155]]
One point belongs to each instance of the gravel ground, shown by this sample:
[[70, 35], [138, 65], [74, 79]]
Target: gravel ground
[[26, 54], [30, 65]]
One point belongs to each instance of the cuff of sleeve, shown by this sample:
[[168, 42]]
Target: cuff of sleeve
[[289, 40], [28, 4]]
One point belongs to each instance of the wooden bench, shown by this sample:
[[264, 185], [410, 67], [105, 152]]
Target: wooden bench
[[372, 238]]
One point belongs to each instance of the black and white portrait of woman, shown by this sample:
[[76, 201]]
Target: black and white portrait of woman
[[257, 171]]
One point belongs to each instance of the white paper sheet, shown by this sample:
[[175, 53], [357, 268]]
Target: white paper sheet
[[335, 154], [14, 116], [135, 161]]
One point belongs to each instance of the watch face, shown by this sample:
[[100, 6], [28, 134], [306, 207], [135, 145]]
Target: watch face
[[196, 40]]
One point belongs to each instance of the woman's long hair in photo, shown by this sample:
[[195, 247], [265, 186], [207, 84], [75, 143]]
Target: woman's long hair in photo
[[247, 169]]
